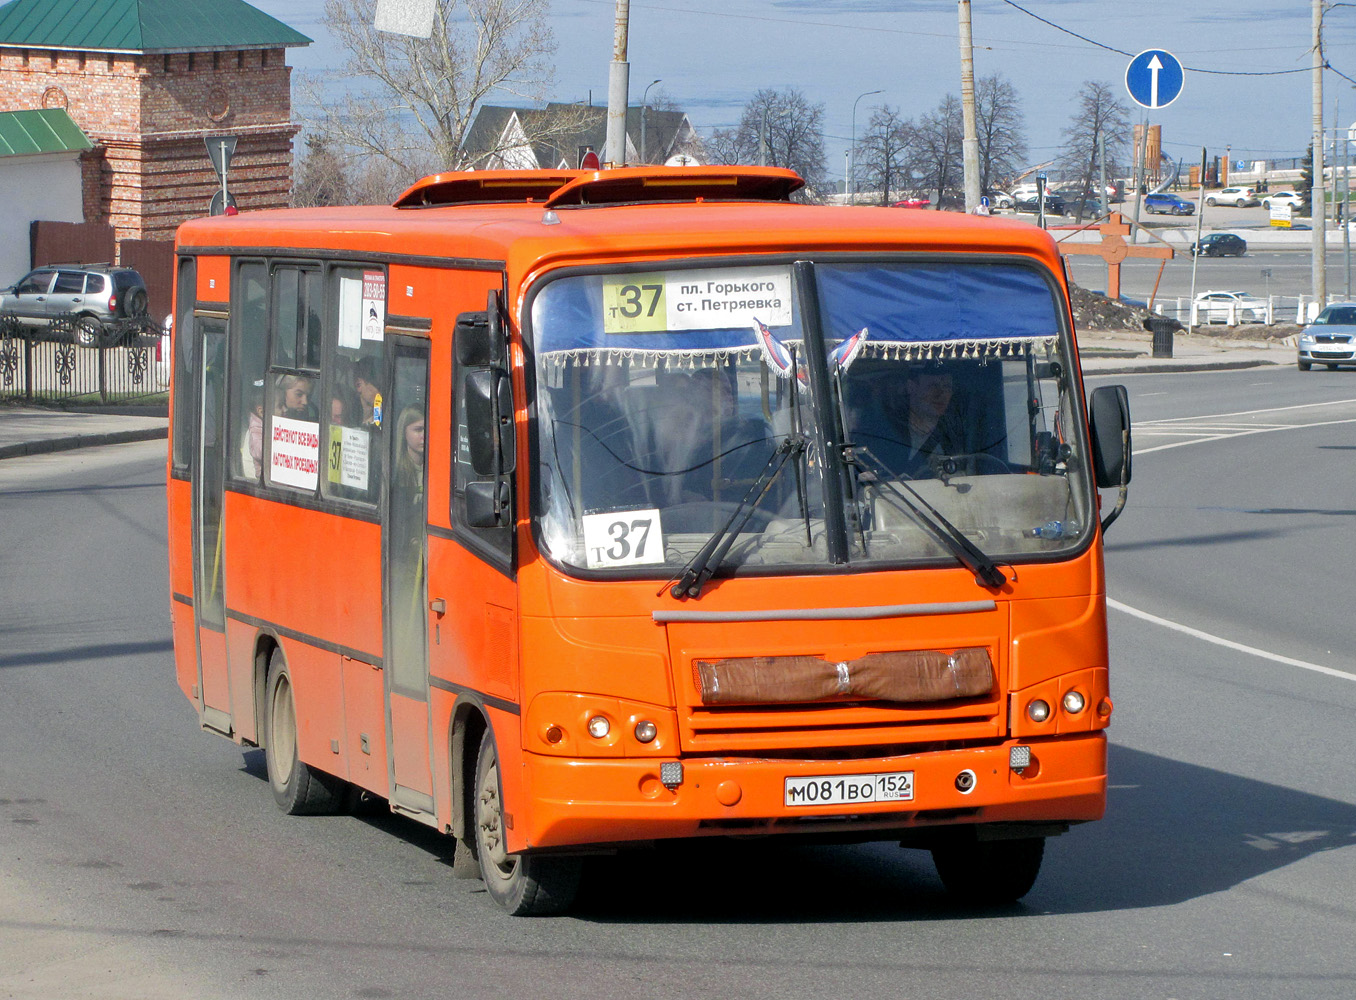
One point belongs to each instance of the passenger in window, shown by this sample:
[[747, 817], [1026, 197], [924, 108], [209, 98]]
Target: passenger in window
[[294, 398], [365, 384], [344, 406], [254, 433], [705, 451], [409, 471], [922, 423]]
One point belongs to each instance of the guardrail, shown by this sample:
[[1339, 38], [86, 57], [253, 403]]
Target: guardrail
[[44, 364], [1283, 309]]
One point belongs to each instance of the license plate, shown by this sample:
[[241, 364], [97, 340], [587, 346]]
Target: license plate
[[849, 789]]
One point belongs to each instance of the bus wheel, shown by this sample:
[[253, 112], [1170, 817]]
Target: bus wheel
[[298, 788], [990, 873], [524, 885]]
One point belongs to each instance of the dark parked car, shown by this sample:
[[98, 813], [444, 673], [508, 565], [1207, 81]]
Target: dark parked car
[[1220, 245], [1090, 207], [1054, 205], [1168, 204], [89, 303]]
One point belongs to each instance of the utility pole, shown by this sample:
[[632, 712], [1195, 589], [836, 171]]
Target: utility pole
[[1102, 197], [1318, 194], [852, 149], [1195, 250], [1347, 206], [618, 82], [645, 97], [1139, 179], [970, 142]]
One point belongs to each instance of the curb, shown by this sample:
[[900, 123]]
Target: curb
[[45, 446], [1159, 368]]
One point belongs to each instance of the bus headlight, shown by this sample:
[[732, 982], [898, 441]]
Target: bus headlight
[[599, 727], [1038, 710], [1073, 702], [646, 731]]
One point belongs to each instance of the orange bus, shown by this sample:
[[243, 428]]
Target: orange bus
[[573, 511]]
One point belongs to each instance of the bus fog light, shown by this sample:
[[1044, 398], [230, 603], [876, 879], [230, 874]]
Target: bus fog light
[[599, 727], [1019, 758], [1073, 702], [1037, 710], [646, 731], [671, 773]]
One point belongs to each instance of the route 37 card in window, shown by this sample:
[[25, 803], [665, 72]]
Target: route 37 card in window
[[623, 538]]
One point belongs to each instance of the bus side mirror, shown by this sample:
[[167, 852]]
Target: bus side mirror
[[479, 337], [486, 503], [1110, 419], [489, 421]]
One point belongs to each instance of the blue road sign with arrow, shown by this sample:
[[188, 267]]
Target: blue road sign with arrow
[[1154, 78]]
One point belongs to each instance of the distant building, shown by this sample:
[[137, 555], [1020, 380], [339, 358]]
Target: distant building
[[147, 81], [503, 138], [40, 177]]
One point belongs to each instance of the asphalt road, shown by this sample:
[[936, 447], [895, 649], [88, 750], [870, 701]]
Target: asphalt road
[[1290, 275], [143, 858]]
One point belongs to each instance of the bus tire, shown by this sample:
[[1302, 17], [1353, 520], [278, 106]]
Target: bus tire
[[298, 788], [989, 873], [524, 885]]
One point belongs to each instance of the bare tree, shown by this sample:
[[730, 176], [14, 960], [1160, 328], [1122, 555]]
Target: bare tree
[[939, 148], [321, 177], [1100, 114], [1001, 129], [411, 101], [883, 154], [781, 129]]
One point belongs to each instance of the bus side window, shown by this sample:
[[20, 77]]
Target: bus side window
[[350, 394], [186, 294], [499, 540], [249, 338]]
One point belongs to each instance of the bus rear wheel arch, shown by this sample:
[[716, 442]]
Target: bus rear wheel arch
[[523, 884], [298, 788]]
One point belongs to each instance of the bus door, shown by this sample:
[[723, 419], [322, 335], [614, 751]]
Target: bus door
[[405, 584], [209, 483]]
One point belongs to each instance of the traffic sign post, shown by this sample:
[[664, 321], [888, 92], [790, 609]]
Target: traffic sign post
[[220, 149], [1154, 78]]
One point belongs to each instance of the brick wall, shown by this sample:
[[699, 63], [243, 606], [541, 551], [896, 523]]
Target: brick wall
[[148, 114]]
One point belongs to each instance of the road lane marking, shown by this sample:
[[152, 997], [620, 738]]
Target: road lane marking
[[1269, 409], [1229, 643], [1204, 438]]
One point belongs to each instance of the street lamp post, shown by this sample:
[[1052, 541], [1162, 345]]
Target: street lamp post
[[852, 148], [644, 99]]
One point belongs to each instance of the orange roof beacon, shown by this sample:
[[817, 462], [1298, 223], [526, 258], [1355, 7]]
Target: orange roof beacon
[[571, 511]]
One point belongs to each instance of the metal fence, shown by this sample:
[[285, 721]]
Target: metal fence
[[46, 365], [1280, 309]]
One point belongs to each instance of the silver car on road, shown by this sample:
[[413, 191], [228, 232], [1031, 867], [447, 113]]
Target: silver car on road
[[1330, 339]]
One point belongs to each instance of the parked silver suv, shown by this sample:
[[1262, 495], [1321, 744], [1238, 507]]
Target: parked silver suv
[[91, 304]]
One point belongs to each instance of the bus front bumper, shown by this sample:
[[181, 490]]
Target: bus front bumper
[[582, 802]]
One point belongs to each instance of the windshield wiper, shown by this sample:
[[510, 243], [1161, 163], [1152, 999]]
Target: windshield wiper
[[987, 573], [694, 575]]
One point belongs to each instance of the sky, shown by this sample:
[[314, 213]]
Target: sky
[[713, 55]]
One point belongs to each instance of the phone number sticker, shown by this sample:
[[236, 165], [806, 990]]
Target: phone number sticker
[[623, 538]]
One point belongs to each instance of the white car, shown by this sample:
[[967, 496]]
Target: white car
[[1290, 198], [1240, 197], [1223, 307]]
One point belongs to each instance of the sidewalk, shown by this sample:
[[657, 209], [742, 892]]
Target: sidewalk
[[35, 431], [1131, 352], [30, 430]]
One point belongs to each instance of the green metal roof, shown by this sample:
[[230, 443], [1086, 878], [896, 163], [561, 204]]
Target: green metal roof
[[46, 131], [142, 25]]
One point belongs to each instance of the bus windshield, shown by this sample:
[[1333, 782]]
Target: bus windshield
[[669, 401]]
